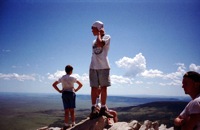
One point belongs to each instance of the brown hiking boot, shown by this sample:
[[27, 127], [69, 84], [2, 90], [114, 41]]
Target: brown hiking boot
[[104, 112], [66, 127], [94, 114]]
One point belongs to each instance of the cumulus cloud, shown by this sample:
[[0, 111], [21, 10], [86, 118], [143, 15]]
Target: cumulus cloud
[[136, 67], [136, 73], [16, 76], [115, 79], [152, 73], [133, 65], [174, 76], [194, 67], [58, 74], [84, 77], [139, 82], [172, 83], [181, 70], [166, 79]]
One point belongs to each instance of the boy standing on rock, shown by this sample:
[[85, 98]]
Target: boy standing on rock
[[99, 74], [68, 94]]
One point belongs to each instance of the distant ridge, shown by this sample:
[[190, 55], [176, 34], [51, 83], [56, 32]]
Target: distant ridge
[[160, 112], [32, 111], [159, 104]]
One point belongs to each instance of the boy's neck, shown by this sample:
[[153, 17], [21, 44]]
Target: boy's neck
[[69, 73]]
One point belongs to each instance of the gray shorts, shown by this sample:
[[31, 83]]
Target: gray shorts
[[100, 78]]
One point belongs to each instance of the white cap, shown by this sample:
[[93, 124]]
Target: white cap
[[98, 25]]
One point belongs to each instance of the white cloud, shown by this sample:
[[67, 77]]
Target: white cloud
[[83, 78], [166, 79], [181, 67], [139, 82], [115, 79], [172, 83], [16, 76], [133, 65], [152, 73], [194, 67], [136, 67], [174, 76], [136, 73], [58, 74]]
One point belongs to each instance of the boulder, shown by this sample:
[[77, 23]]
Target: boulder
[[101, 123], [95, 124]]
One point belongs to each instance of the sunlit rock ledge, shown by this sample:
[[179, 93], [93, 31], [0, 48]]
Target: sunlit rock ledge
[[101, 123]]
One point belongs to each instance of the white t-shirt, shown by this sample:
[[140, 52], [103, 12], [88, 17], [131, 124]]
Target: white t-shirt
[[67, 82], [99, 58], [193, 107]]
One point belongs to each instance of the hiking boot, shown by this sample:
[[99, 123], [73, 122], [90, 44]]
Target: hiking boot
[[104, 112], [66, 127], [73, 124], [94, 114]]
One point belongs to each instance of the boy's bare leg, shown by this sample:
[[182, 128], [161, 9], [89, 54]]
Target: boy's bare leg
[[103, 110], [66, 126], [66, 116], [72, 113], [103, 95], [94, 95]]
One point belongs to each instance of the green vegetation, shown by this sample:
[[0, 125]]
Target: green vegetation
[[163, 112], [29, 112]]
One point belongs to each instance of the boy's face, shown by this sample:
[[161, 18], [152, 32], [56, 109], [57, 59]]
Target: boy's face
[[188, 86], [95, 31]]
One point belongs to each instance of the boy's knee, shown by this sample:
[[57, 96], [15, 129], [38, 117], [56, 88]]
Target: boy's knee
[[71, 109], [95, 88], [103, 89], [67, 110]]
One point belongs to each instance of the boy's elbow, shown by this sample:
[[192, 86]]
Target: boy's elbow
[[80, 86], [55, 84]]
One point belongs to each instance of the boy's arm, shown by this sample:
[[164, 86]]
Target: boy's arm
[[99, 38], [56, 87], [178, 121], [191, 122], [79, 85]]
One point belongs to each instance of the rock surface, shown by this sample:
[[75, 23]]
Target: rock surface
[[102, 124]]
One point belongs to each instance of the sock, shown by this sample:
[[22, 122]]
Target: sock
[[73, 123], [103, 105], [66, 124]]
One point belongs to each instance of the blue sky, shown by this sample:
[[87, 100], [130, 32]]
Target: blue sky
[[153, 43]]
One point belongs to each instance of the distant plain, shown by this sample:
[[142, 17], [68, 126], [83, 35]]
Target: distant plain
[[20, 111]]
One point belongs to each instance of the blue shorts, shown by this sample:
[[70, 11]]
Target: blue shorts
[[69, 99]]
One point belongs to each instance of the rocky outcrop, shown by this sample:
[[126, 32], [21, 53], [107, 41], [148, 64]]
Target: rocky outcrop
[[95, 124], [101, 123]]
